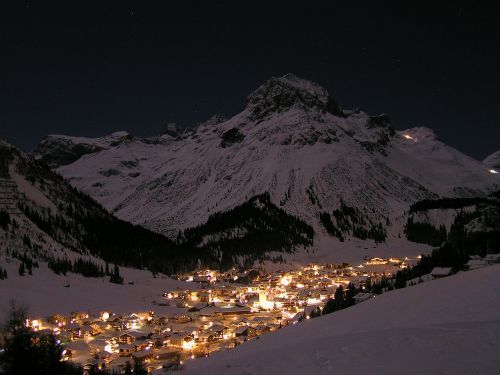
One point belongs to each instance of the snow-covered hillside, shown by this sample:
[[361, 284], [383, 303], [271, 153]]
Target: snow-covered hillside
[[292, 141], [45, 293], [446, 326]]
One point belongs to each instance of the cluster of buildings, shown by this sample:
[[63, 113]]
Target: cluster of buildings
[[221, 315]]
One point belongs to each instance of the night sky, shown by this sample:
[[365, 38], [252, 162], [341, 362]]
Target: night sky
[[85, 68]]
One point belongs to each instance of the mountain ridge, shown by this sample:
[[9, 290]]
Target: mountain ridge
[[286, 142]]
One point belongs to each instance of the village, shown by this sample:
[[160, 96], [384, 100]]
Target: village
[[221, 311]]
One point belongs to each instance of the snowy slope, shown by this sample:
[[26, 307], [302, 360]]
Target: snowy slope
[[493, 161], [293, 141], [446, 326], [44, 293]]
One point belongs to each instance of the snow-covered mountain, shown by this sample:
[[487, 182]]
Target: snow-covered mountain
[[445, 326], [57, 150], [493, 161], [42, 217], [340, 171]]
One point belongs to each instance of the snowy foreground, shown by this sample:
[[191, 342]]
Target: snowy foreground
[[44, 293], [446, 326]]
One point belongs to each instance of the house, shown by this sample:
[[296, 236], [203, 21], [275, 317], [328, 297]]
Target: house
[[160, 340], [117, 323], [79, 315], [65, 336], [181, 318], [143, 355], [74, 329], [142, 344], [114, 318], [204, 337], [202, 278], [132, 321], [163, 320], [98, 346], [78, 348], [105, 356], [361, 297], [125, 349], [261, 329], [167, 354], [59, 320], [102, 326], [244, 331], [274, 327], [180, 339], [438, 272], [143, 315], [205, 296], [119, 364], [218, 331], [235, 310], [129, 337], [87, 331]]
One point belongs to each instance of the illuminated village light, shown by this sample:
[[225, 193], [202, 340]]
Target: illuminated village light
[[493, 171], [284, 281], [281, 297], [188, 345]]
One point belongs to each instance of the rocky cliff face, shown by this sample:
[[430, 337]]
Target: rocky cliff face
[[281, 94]]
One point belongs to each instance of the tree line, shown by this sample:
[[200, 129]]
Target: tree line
[[248, 231], [351, 221]]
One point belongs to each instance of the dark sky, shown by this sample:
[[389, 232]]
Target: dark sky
[[85, 68]]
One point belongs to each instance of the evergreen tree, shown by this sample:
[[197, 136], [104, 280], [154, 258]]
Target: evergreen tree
[[401, 278], [115, 277], [339, 297], [4, 219], [94, 370], [139, 369], [349, 295], [21, 269], [315, 313], [330, 306], [28, 352], [128, 369]]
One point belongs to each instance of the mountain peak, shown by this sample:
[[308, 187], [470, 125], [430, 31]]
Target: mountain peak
[[279, 94]]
